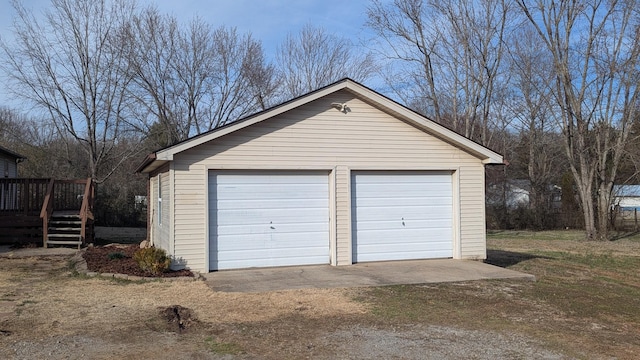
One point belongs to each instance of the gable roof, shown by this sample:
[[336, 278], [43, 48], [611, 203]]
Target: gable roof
[[12, 154], [488, 156]]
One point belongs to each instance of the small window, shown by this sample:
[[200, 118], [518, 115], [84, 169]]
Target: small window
[[159, 199]]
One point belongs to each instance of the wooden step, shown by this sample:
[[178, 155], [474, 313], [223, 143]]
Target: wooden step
[[63, 242], [65, 222], [65, 228], [64, 236]]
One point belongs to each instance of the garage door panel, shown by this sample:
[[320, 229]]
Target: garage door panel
[[432, 228], [299, 228], [409, 213], [383, 255], [256, 253], [404, 238], [274, 193], [267, 255], [271, 216], [386, 177], [268, 218], [401, 215], [308, 240], [417, 246], [403, 202], [282, 203]]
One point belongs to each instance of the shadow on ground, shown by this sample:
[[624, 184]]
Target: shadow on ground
[[505, 259], [623, 235]]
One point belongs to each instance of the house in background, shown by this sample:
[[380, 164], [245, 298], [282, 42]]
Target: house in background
[[9, 161], [9, 170], [626, 197], [625, 207], [338, 176], [515, 193]]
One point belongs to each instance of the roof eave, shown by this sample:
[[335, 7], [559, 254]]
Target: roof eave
[[143, 167], [18, 157]]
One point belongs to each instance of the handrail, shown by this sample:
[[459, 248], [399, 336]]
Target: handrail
[[47, 209], [86, 208]]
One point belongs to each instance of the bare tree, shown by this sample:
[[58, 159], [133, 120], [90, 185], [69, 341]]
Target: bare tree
[[188, 80], [69, 66], [241, 82], [595, 48], [314, 58], [447, 58], [153, 55], [408, 36], [532, 107]]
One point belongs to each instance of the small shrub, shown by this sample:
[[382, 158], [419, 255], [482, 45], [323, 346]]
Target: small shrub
[[152, 260], [116, 256]]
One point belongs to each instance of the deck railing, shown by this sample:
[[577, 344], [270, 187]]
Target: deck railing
[[86, 209], [22, 196], [47, 210]]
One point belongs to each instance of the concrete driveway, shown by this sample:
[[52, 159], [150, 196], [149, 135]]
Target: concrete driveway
[[364, 274]]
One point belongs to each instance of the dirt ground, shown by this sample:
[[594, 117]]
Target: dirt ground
[[50, 312]]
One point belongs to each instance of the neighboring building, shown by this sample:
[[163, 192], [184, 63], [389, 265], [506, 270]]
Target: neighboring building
[[8, 170], [514, 194], [626, 197], [337, 176], [9, 161]]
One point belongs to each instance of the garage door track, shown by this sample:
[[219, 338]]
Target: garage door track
[[363, 274]]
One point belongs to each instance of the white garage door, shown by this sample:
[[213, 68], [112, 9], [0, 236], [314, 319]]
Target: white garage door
[[401, 215], [263, 219]]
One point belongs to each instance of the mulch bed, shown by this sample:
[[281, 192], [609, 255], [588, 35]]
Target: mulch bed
[[118, 259]]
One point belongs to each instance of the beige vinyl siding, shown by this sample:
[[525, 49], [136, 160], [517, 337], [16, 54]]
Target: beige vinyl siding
[[190, 201], [161, 222], [472, 211], [318, 136]]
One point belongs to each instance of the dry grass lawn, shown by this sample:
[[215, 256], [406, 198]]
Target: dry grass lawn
[[584, 304]]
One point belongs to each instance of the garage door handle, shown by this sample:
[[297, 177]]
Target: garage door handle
[[403, 222], [271, 225]]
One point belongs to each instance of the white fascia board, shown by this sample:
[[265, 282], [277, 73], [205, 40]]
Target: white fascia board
[[488, 156]]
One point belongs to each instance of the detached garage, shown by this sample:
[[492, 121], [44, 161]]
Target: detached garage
[[338, 176]]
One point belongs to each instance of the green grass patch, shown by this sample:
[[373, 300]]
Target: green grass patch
[[223, 348], [574, 235]]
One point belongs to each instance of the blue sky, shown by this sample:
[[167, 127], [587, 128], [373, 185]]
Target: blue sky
[[267, 20]]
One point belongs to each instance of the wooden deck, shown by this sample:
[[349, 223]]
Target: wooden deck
[[29, 209], [20, 205]]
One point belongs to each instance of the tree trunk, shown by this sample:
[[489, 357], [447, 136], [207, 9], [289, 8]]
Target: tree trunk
[[604, 203], [585, 193]]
